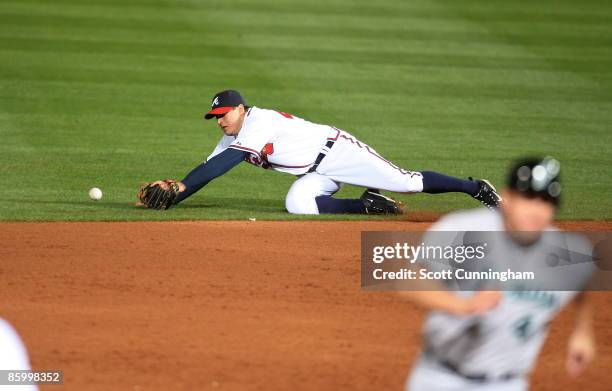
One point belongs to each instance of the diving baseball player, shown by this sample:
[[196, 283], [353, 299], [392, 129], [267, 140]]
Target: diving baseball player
[[321, 157], [490, 340]]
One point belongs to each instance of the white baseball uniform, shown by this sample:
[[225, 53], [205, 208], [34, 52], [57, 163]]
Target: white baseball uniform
[[13, 355], [286, 143], [496, 350]]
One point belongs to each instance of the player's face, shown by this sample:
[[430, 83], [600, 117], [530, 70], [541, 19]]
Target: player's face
[[231, 122], [526, 214]]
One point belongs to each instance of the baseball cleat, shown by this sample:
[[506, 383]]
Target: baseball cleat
[[378, 204], [487, 194]]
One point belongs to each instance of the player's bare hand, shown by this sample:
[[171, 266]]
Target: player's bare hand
[[481, 302], [165, 184], [581, 351]]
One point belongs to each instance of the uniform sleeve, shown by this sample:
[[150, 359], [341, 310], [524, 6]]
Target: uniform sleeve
[[221, 146], [253, 137], [211, 169], [452, 230]]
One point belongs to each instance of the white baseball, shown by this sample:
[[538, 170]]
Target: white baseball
[[95, 193]]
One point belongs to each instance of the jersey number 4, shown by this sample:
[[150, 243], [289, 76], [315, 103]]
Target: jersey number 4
[[525, 328]]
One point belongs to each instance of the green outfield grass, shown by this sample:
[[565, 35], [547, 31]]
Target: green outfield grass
[[111, 94]]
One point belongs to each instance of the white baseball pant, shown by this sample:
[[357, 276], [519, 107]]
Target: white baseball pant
[[427, 375], [352, 162]]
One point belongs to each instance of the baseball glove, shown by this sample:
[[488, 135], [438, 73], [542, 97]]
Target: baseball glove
[[156, 195]]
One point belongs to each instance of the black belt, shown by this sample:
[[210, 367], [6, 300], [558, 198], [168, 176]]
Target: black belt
[[477, 377], [328, 145]]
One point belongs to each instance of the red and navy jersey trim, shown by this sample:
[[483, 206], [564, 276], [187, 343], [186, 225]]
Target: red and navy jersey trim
[[283, 166], [240, 147]]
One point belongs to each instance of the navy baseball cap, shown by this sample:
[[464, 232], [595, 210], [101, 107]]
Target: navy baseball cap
[[536, 177], [225, 101]]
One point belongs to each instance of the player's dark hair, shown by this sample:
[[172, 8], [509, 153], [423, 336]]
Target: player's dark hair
[[536, 177]]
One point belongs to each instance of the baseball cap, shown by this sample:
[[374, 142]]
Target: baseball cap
[[225, 101], [536, 177]]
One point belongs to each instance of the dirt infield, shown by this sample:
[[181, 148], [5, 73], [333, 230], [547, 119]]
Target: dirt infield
[[226, 306]]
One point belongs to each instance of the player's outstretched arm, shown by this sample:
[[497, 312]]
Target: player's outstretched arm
[[164, 194], [581, 347], [206, 172]]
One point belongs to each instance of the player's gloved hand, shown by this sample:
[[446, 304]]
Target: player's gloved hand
[[581, 351], [159, 194]]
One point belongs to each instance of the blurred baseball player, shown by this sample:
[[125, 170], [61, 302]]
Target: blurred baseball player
[[491, 340], [322, 157]]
